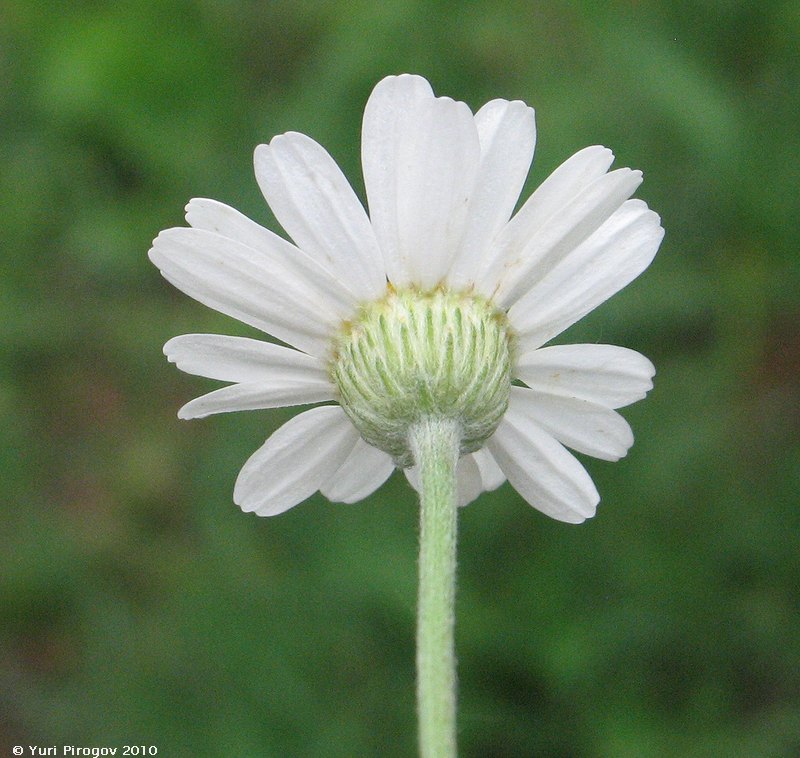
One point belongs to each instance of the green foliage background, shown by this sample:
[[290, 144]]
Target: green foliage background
[[139, 606]]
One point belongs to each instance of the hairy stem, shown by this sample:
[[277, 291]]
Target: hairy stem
[[435, 444]]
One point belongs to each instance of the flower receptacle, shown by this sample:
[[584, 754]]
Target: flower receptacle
[[416, 354]]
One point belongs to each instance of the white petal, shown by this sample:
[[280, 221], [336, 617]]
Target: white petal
[[240, 359], [437, 159], [563, 232], [268, 376], [468, 480], [288, 296], [430, 159], [412, 474], [295, 461], [365, 469], [491, 474], [475, 473], [384, 115], [257, 396], [603, 374], [507, 134], [611, 258], [213, 216], [541, 470], [586, 427], [315, 204], [568, 181]]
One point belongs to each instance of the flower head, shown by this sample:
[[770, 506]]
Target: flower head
[[434, 303]]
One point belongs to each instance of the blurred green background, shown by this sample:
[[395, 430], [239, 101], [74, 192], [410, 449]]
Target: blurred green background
[[140, 606]]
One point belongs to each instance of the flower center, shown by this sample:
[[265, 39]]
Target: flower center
[[414, 354]]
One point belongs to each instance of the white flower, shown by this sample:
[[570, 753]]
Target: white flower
[[442, 185]]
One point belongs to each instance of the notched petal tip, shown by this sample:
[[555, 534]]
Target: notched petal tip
[[167, 236], [575, 518], [629, 178], [185, 415], [498, 109], [290, 135], [649, 218], [247, 503], [589, 511], [282, 140], [171, 346], [194, 203], [649, 370], [197, 210], [585, 511], [596, 154], [404, 80], [156, 253]]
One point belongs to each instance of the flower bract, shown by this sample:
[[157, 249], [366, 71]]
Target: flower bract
[[440, 300]]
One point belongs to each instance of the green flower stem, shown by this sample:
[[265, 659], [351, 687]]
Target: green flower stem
[[435, 443]]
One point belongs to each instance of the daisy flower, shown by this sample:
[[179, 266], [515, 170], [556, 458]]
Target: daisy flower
[[437, 303]]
